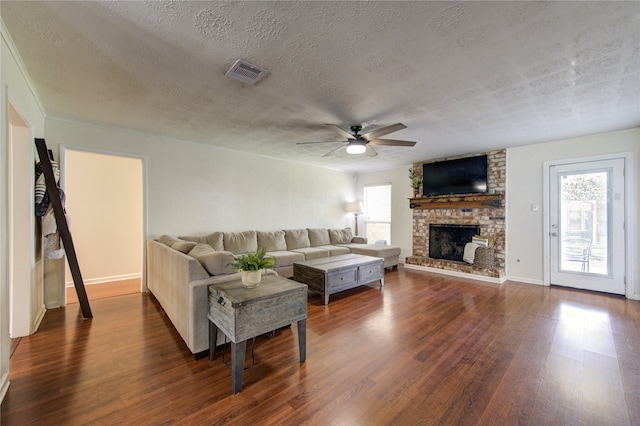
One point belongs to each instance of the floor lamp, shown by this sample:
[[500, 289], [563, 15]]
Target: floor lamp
[[356, 208]]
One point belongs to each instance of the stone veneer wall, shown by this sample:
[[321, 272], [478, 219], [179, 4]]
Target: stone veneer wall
[[491, 221]]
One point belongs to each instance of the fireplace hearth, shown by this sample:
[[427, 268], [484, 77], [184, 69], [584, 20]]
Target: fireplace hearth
[[447, 241]]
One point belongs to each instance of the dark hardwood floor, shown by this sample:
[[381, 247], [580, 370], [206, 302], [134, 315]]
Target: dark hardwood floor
[[104, 290], [426, 349]]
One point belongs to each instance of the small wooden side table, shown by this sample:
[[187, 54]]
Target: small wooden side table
[[243, 313]]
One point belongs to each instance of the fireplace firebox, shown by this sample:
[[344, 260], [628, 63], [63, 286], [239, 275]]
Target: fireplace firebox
[[447, 241]]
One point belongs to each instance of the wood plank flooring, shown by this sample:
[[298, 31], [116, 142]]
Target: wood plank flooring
[[425, 349], [104, 290]]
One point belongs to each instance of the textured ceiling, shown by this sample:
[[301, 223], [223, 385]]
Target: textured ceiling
[[463, 76]]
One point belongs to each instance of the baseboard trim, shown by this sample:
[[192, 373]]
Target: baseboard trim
[[53, 304], [103, 280], [526, 280], [457, 274], [39, 318]]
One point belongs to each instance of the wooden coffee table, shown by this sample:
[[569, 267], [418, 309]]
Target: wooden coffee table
[[333, 274], [243, 313]]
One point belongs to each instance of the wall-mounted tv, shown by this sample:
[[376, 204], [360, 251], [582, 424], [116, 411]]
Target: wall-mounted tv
[[460, 176]]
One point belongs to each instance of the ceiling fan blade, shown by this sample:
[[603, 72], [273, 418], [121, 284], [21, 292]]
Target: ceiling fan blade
[[306, 143], [342, 131], [375, 134], [332, 151], [375, 153], [391, 142]]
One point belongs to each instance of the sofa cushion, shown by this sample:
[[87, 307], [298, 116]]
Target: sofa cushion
[[168, 240], [241, 242], [375, 250], [183, 246], [285, 258], [296, 238], [272, 241], [335, 250], [340, 236], [312, 252], [319, 237], [215, 262]]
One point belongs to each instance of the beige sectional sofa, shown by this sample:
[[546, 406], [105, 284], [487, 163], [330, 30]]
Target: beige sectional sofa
[[179, 270]]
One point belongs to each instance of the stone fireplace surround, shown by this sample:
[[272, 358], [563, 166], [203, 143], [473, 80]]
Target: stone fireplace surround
[[452, 210]]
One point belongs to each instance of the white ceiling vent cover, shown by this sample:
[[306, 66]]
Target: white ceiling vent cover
[[246, 72]]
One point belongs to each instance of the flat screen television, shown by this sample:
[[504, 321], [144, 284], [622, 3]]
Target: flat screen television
[[460, 176]]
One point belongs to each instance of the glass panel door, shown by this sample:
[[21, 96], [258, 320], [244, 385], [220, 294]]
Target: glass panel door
[[587, 226]]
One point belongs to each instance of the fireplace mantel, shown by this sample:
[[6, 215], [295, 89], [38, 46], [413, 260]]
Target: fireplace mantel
[[457, 201]]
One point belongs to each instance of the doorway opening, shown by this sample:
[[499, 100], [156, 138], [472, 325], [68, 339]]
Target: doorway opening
[[104, 201]]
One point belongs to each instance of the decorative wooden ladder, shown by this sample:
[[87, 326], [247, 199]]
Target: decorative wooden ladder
[[63, 227]]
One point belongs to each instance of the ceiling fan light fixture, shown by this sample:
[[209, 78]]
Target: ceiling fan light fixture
[[356, 148]]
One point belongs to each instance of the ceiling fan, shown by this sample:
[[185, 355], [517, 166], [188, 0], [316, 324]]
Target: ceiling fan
[[358, 144]]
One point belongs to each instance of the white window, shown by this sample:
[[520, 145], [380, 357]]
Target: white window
[[377, 213]]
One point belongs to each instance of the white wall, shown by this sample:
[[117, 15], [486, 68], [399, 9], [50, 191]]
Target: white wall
[[401, 214], [104, 197], [14, 87], [525, 187]]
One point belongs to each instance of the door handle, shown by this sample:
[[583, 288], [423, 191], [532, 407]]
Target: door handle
[[553, 234]]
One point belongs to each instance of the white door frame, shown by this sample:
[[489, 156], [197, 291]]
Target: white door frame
[[25, 288], [630, 202]]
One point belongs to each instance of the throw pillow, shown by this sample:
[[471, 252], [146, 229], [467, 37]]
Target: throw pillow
[[215, 240], [183, 246], [296, 238], [272, 241], [340, 236], [194, 239], [215, 262], [240, 242], [319, 237], [168, 240]]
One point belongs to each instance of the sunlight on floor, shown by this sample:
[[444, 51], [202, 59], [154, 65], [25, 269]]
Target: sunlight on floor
[[583, 363], [582, 328]]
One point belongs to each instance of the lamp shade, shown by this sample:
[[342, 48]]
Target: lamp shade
[[354, 207]]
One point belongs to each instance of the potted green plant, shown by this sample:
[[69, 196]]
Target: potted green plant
[[415, 181], [251, 266]]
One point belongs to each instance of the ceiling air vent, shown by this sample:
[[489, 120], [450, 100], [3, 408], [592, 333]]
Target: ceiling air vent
[[246, 72]]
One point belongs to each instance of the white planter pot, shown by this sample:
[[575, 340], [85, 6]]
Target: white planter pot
[[251, 279]]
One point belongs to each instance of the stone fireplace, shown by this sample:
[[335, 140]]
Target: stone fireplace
[[447, 241], [482, 214]]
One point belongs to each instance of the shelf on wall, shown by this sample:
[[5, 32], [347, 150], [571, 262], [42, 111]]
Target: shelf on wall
[[457, 201]]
